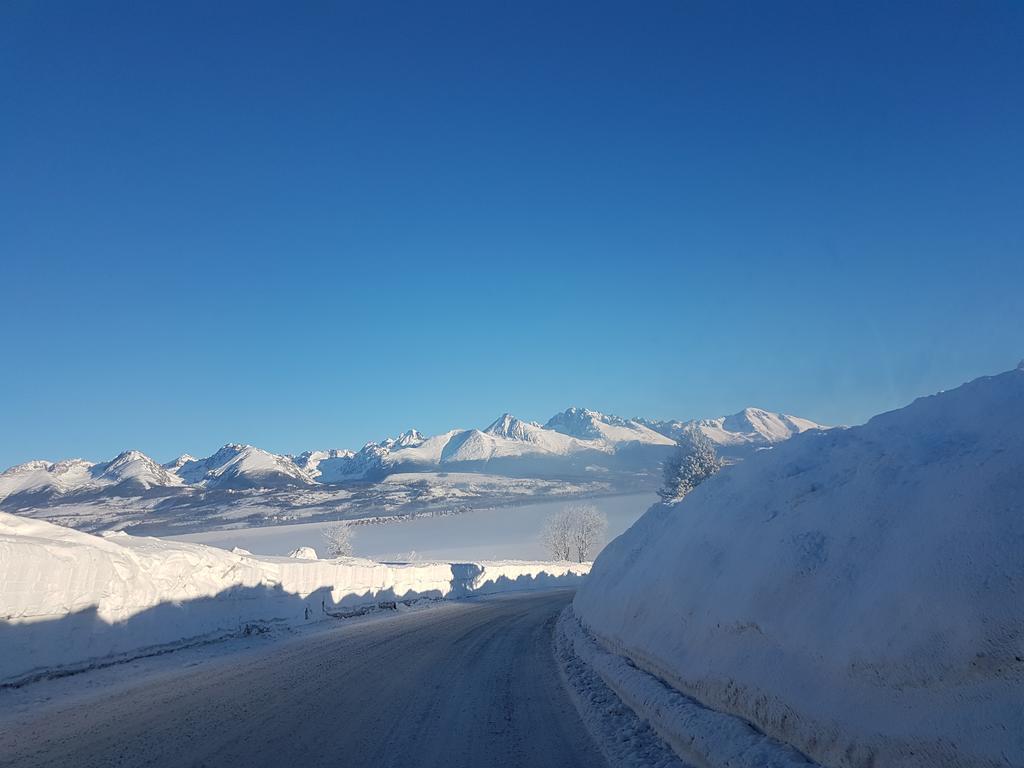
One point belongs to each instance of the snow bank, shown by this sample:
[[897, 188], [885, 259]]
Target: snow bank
[[856, 593], [701, 736], [69, 598]]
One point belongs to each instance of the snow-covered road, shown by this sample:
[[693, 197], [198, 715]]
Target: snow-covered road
[[469, 683]]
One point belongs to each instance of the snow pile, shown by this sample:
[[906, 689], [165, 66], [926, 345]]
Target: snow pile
[[856, 593], [69, 598]]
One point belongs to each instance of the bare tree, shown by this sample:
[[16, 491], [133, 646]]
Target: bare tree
[[574, 532], [339, 540], [588, 530], [556, 536]]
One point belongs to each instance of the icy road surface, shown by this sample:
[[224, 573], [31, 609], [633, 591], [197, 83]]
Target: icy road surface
[[469, 683]]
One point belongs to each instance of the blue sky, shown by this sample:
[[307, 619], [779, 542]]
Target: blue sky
[[308, 225]]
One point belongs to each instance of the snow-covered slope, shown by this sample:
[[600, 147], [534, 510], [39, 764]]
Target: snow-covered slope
[[44, 478], [324, 466], [178, 463], [134, 470], [411, 450], [741, 433], [243, 466], [70, 599], [131, 472], [499, 445], [509, 436], [858, 593], [593, 425], [511, 428]]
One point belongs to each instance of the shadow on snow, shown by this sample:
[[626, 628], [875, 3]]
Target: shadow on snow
[[74, 642]]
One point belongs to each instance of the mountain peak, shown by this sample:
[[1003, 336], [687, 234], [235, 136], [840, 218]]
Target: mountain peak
[[409, 438], [508, 426], [179, 462], [135, 467], [130, 455], [29, 466], [581, 422]]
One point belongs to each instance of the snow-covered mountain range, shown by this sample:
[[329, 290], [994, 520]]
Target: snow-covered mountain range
[[575, 444], [735, 434]]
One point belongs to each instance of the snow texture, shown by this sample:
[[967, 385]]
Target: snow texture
[[856, 593], [70, 598]]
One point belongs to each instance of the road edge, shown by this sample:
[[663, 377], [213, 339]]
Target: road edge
[[623, 738], [694, 734]]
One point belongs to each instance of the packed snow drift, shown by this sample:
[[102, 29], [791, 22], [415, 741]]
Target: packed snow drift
[[69, 599], [856, 593]]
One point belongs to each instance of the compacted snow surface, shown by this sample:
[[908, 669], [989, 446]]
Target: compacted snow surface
[[467, 683], [858, 593]]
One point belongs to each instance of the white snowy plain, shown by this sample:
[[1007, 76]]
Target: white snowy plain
[[496, 533], [857, 594]]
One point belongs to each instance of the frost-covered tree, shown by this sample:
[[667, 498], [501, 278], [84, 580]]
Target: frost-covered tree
[[339, 540], [588, 530], [556, 535], [574, 532], [693, 462]]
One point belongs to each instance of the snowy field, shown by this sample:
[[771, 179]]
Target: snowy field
[[498, 533]]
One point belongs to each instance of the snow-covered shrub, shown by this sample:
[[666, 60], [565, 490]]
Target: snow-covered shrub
[[339, 540]]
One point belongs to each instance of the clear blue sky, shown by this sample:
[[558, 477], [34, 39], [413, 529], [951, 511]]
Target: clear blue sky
[[308, 225]]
